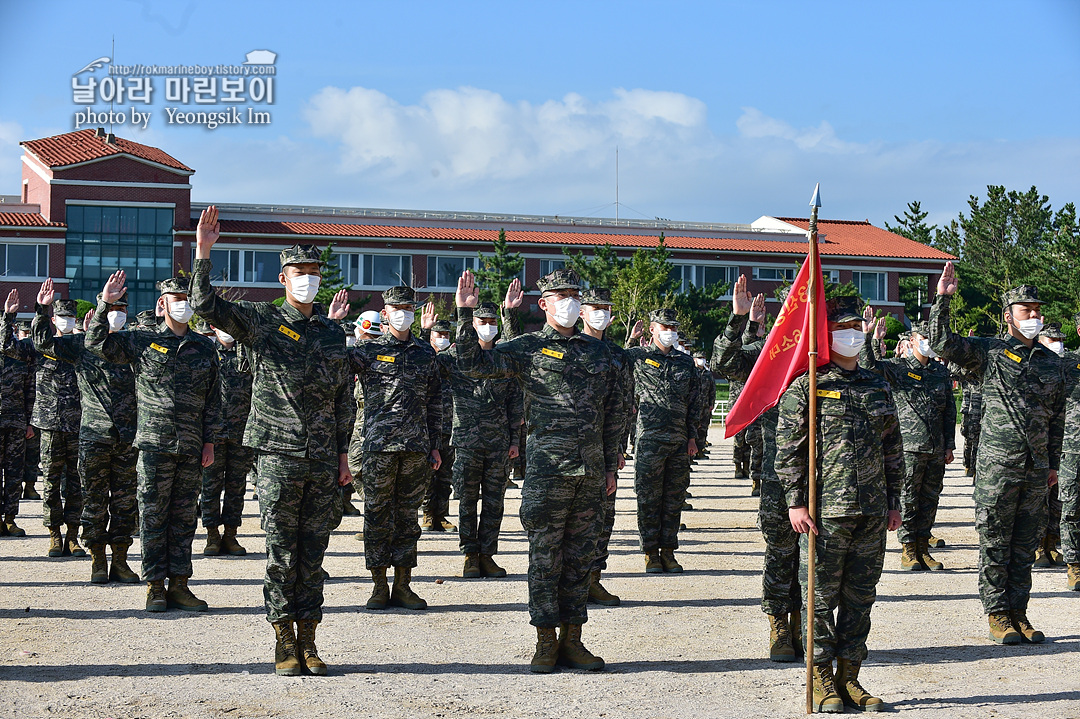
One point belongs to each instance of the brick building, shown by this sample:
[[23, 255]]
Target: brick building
[[92, 203]]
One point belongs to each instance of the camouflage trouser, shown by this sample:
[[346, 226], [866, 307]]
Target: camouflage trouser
[[850, 552], [168, 492], [1069, 488], [755, 449], [1010, 516], [740, 450], [226, 476], [110, 513], [356, 461], [32, 468], [563, 517], [519, 463], [1053, 517], [437, 492], [394, 485], [480, 476], [661, 476], [605, 532], [61, 493], [970, 429], [780, 590], [12, 455], [300, 503], [919, 495]]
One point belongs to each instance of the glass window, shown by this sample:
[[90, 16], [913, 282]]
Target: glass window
[[704, 276], [778, 274], [110, 219], [25, 261], [387, 270], [549, 266], [831, 276], [445, 271], [164, 221], [261, 266], [871, 285]]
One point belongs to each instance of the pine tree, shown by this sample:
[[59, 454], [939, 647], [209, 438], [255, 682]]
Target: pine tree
[[497, 270], [601, 270], [640, 285]]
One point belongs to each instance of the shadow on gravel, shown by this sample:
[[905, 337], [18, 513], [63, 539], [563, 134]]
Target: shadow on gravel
[[990, 700], [974, 653]]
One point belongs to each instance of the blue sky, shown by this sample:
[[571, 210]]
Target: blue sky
[[721, 111]]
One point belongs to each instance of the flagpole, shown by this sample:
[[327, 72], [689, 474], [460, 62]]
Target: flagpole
[[812, 499]]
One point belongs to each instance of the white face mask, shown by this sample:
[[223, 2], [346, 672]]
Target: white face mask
[[64, 324], [1030, 328], [224, 337], [1056, 347], [304, 288], [441, 343], [598, 319], [116, 320], [350, 341], [847, 343], [667, 337], [565, 311], [180, 310], [400, 319], [924, 348], [699, 362], [487, 332]]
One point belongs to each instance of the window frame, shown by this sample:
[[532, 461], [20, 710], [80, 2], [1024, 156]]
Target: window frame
[[469, 262], [784, 270], [40, 250], [882, 284]]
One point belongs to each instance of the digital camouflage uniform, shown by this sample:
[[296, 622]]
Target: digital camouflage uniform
[[402, 425], [437, 495], [668, 390], [107, 456], [572, 411], [56, 417], [178, 400], [1023, 394], [16, 407], [924, 402], [299, 424], [225, 481], [1069, 474], [860, 472]]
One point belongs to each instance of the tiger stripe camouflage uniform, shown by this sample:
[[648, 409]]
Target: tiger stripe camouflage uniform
[[860, 472], [708, 397], [225, 481], [1023, 391], [178, 403], [1069, 474], [1047, 554], [624, 374], [971, 408], [299, 424], [17, 387], [437, 495]]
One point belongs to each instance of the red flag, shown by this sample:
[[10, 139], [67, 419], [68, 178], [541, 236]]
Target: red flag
[[786, 352]]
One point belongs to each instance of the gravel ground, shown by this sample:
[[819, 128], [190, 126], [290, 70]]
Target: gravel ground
[[689, 645]]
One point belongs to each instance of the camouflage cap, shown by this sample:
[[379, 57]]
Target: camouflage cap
[[22, 326], [175, 285], [486, 311], [203, 327], [64, 308], [1024, 294], [400, 295], [843, 309], [147, 318], [564, 279], [441, 326], [665, 316], [301, 254], [920, 328], [1052, 331], [698, 354], [596, 296], [121, 301]]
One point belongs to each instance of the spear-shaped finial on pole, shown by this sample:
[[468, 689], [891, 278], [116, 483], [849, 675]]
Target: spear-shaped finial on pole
[[811, 475]]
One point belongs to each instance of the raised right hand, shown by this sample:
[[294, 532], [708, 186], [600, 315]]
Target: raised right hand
[[741, 300], [46, 295], [514, 295], [207, 233], [11, 306], [757, 310], [468, 294], [948, 284], [114, 287]]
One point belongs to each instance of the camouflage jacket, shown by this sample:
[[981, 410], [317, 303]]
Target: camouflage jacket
[[668, 392], [486, 412], [624, 374], [177, 392], [56, 405], [1023, 392], [449, 396], [234, 369], [735, 360], [923, 397], [1071, 443], [860, 454], [403, 398], [107, 389], [708, 400], [570, 388], [16, 394], [300, 403]]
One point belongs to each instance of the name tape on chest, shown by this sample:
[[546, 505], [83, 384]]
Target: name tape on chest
[[829, 393], [386, 358], [50, 357], [1013, 357], [652, 362], [294, 336], [916, 377], [159, 348], [551, 353]]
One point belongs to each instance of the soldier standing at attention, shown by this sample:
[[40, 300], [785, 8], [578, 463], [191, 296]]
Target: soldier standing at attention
[[178, 402], [1023, 387], [859, 475], [922, 391], [56, 415], [402, 432], [225, 481], [1047, 553], [668, 389], [17, 387], [32, 456], [368, 327], [107, 457], [437, 497], [1069, 474], [569, 383], [708, 401], [299, 425]]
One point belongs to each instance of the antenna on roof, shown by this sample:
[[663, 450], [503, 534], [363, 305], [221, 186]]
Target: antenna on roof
[[616, 185], [114, 93]]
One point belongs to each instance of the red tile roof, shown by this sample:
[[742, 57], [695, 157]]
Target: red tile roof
[[26, 219], [82, 146], [844, 238]]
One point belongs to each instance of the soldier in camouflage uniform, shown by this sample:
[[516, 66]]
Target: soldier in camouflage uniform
[[437, 497], [1069, 474], [922, 391], [368, 327], [572, 408], [860, 471], [781, 595], [402, 431], [32, 456], [1023, 387], [971, 408], [708, 397], [178, 402], [147, 320], [224, 482], [669, 410], [17, 387], [1047, 553], [486, 414], [56, 417], [299, 424], [110, 513], [740, 450]]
